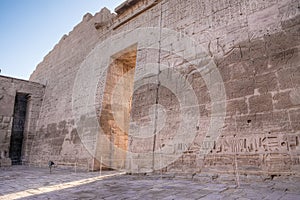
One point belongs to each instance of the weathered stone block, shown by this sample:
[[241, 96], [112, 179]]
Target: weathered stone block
[[260, 103], [5, 162], [266, 83], [257, 48], [295, 119], [261, 65], [237, 71], [229, 127], [264, 122], [283, 100], [289, 78], [239, 88], [237, 107]]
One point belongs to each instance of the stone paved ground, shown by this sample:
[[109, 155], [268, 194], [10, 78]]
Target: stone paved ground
[[20, 182]]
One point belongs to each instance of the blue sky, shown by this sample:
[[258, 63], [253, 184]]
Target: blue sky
[[29, 29]]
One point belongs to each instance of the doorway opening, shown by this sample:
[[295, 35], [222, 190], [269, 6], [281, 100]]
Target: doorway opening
[[16, 140], [116, 105]]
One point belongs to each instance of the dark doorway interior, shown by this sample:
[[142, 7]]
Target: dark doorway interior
[[16, 140]]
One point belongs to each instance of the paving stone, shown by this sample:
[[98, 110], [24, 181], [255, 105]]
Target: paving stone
[[37, 183], [274, 195], [291, 197]]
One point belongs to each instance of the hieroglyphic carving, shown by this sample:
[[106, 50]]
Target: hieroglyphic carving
[[257, 144]]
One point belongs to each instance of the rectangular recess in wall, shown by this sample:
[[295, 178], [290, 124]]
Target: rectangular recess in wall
[[16, 140], [116, 104]]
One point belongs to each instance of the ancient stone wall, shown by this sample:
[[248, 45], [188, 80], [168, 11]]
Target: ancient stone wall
[[255, 45], [57, 138], [34, 92], [248, 50]]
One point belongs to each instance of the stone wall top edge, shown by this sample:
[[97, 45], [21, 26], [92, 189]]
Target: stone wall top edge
[[88, 17], [21, 80]]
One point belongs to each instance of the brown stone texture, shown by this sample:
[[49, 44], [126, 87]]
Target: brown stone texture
[[255, 47]]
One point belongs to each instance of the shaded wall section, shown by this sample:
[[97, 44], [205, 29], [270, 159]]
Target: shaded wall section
[[19, 119], [23, 98]]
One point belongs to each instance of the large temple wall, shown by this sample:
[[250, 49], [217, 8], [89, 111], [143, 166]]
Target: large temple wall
[[255, 46]]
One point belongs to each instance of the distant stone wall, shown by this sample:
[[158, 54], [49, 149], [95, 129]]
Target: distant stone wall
[[253, 46], [9, 87]]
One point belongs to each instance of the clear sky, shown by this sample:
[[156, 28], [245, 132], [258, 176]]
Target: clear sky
[[29, 29]]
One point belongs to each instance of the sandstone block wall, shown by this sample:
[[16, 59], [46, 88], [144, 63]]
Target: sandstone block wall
[[57, 138], [255, 48], [9, 87]]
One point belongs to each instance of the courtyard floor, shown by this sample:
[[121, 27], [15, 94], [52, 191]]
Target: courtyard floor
[[21, 182]]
